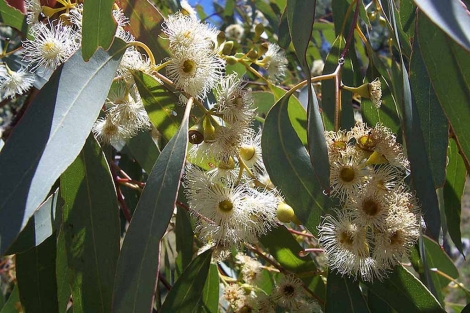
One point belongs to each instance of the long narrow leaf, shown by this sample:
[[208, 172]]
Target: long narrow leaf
[[139, 260]]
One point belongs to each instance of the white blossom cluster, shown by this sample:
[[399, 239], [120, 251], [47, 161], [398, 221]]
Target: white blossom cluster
[[289, 292], [380, 219]]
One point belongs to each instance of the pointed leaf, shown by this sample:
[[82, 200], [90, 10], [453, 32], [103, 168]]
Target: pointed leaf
[[187, 292], [92, 228], [289, 166], [453, 191], [343, 295], [98, 26], [139, 260], [35, 271], [404, 293], [50, 135], [450, 16]]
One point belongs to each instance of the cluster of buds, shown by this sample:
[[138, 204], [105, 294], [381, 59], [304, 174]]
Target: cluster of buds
[[379, 220]]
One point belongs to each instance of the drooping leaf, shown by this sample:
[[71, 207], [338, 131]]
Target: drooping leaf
[[434, 124], [161, 104], [59, 119], [134, 289], [343, 295], [283, 35], [210, 297], [404, 293], [450, 82], [35, 272], [98, 26], [186, 295], [317, 148], [419, 162], [40, 226], [450, 16], [91, 227], [453, 191], [12, 17], [145, 24], [13, 304], [289, 166]]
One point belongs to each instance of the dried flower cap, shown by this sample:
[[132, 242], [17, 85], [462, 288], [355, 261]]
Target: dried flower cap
[[375, 92]]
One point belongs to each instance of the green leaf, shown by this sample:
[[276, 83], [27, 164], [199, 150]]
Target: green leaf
[[35, 272], [450, 16], [91, 227], [420, 169], [160, 103], [63, 272], [58, 120], [139, 260], [145, 24], [283, 35], [184, 239], [12, 17], [443, 62], [289, 167], [453, 191], [263, 102], [13, 304], [285, 250], [99, 26], [343, 295], [300, 18], [439, 260], [317, 148], [297, 113], [40, 226], [187, 292], [376, 304], [210, 297], [144, 149], [404, 293], [434, 124]]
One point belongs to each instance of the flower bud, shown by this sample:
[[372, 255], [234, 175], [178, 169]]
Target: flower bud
[[252, 54], [209, 130], [259, 29], [263, 48], [285, 213], [227, 48], [220, 38], [231, 60]]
